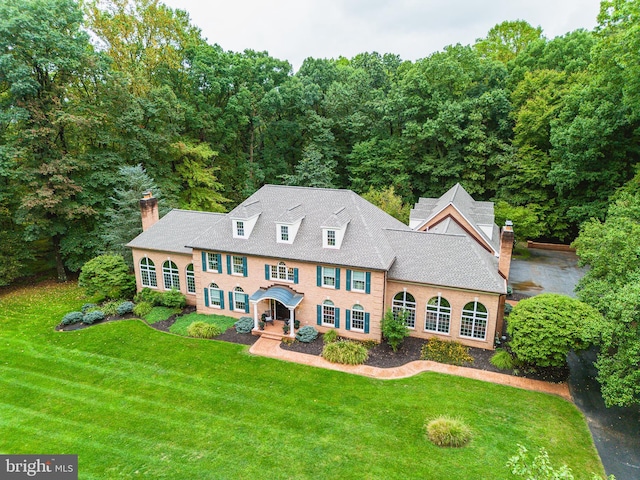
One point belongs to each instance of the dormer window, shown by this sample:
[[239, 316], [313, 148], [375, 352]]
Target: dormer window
[[240, 228], [244, 218], [331, 238], [284, 233]]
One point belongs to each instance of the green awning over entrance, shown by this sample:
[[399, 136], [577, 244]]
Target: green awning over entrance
[[284, 295]]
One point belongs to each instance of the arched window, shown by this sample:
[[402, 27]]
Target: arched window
[[191, 279], [404, 302], [474, 321], [239, 299], [170, 275], [215, 296], [328, 313], [148, 273], [281, 272], [357, 317], [438, 315]]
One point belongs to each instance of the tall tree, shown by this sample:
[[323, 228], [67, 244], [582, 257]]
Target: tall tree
[[507, 40]]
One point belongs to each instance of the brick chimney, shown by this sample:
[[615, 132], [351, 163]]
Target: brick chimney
[[149, 210], [506, 248]]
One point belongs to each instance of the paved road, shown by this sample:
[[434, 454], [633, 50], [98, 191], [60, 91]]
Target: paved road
[[615, 431], [546, 271]]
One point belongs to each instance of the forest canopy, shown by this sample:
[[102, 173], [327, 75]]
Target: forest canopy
[[547, 128]]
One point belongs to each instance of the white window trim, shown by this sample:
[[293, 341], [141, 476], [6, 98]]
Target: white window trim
[[277, 276], [322, 275], [209, 267], [149, 271], [326, 324], [218, 291], [360, 309], [235, 301], [364, 281], [439, 311], [474, 316], [187, 277], [174, 273], [405, 305], [233, 265]]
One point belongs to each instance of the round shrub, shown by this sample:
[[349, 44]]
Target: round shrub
[[71, 318], [448, 432], [502, 360], [124, 308], [108, 276], [173, 299], [92, 317], [203, 330], [152, 297], [142, 309], [87, 306], [345, 352], [307, 334], [330, 337], [244, 325]]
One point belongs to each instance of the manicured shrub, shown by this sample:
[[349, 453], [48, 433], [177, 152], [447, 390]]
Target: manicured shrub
[[88, 306], [152, 297], [93, 317], [108, 308], [448, 432], [173, 299], [394, 328], [345, 352], [142, 309], [244, 325], [502, 360], [107, 276], [443, 351], [203, 330], [71, 318], [546, 327], [307, 334], [330, 337], [124, 308]]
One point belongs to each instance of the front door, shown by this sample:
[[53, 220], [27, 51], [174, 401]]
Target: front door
[[282, 312]]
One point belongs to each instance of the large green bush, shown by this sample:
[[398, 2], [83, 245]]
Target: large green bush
[[108, 277], [545, 328], [345, 352], [394, 328], [173, 299]]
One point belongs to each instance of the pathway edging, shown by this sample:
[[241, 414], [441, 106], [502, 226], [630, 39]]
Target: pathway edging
[[266, 347]]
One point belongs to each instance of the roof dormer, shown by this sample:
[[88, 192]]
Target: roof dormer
[[334, 229], [288, 223], [244, 218]]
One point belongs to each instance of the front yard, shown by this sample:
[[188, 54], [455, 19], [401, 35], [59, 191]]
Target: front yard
[[130, 400]]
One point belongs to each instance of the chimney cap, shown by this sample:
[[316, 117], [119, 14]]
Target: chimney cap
[[508, 223], [147, 194]]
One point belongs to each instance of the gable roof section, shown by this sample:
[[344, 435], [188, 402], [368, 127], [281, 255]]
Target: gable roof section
[[175, 230], [365, 244], [476, 213], [444, 259]]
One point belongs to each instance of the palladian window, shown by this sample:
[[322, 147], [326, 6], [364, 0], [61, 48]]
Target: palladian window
[[405, 302], [438, 315], [170, 275], [473, 323], [148, 273]]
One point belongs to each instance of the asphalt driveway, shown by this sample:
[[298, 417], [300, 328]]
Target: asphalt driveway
[[615, 431]]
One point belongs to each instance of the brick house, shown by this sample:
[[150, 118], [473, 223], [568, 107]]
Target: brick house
[[330, 259]]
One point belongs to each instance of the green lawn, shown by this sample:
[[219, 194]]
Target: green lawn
[[158, 314], [133, 401], [181, 324]]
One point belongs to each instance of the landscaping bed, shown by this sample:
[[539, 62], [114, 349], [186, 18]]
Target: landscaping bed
[[382, 356]]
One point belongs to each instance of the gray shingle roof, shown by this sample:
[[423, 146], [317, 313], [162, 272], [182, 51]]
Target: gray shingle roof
[[444, 259], [175, 230], [476, 212], [365, 244]]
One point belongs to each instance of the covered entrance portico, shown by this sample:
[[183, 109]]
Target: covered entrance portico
[[275, 301]]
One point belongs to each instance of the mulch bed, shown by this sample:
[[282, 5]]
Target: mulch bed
[[382, 356]]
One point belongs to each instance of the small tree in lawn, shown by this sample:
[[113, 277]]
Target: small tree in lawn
[[546, 327], [108, 276], [394, 328]]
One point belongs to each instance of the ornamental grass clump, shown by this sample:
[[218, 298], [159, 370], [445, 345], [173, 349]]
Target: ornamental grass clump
[[330, 337], [502, 360], [345, 352], [244, 325], [203, 330], [442, 351], [448, 432], [142, 309]]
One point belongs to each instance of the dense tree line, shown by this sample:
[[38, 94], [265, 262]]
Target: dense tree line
[[93, 97]]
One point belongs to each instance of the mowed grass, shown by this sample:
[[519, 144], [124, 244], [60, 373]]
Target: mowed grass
[[135, 402], [158, 314]]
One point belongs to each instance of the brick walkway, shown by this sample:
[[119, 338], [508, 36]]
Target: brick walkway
[[267, 347]]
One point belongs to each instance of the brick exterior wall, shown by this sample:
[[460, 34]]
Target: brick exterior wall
[[158, 258]]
